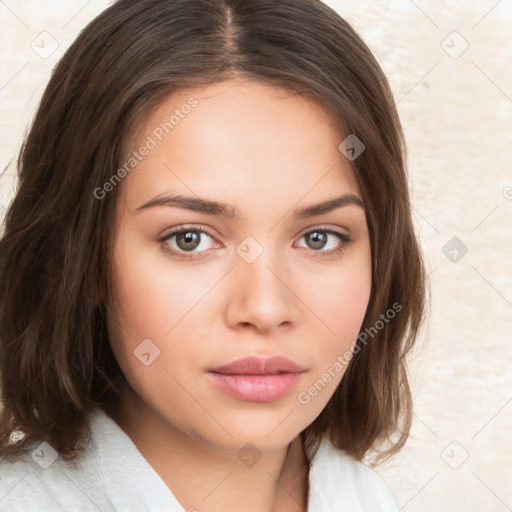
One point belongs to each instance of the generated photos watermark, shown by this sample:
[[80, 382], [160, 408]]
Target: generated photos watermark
[[342, 361], [152, 141]]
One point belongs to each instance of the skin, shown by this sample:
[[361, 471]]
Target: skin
[[265, 152]]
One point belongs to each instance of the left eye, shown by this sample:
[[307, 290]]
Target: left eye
[[318, 240], [195, 240]]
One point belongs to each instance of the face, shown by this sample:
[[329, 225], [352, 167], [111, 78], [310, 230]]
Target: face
[[200, 285]]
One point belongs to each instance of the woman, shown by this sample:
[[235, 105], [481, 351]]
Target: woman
[[209, 273]]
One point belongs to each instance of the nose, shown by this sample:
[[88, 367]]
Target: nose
[[262, 295]]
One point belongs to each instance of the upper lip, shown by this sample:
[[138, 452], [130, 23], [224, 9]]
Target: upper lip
[[259, 366]]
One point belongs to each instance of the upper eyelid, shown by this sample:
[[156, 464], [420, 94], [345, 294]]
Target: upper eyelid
[[318, 227]]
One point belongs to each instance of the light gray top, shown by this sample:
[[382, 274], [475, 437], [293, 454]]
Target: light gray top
[[113, 476]]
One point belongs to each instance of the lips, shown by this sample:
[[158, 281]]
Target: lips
[[258, 366], [257, 380]]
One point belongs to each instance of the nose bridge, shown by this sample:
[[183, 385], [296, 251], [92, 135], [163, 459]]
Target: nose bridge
[[262, 293], [262, 275]]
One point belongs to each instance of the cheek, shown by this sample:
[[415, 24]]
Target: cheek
[[151, 305], [342, 301], [152, 329], [339, 306], [152, 298]]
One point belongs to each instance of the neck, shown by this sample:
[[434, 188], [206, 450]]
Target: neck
[[203, 476]]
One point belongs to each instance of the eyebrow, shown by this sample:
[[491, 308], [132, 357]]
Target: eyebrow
[[197, 204]]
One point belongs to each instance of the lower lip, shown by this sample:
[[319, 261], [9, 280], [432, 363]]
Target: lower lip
[[255, 388]]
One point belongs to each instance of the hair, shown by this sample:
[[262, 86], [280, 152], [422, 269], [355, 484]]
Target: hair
[[55, 251]]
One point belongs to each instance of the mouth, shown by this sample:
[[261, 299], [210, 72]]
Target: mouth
[[259, 366], [257, 380]]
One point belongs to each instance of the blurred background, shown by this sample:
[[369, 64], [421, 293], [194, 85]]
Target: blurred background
[[450, 68]]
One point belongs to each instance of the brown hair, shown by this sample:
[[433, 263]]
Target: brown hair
[[55, 355]]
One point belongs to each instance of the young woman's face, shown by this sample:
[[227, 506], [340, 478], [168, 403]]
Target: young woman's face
[[257, 279]]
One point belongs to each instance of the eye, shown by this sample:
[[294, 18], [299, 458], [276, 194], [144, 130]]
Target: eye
[[321, 238], [187, 242]]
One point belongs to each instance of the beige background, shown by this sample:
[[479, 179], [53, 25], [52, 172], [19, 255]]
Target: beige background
[[456, 108]]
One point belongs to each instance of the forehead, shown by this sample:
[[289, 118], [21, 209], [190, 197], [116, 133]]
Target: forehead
[[239, 138]]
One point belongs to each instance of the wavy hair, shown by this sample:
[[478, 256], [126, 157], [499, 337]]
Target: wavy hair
[[56, 362]]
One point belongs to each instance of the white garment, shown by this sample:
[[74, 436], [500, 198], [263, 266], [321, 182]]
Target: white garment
[[113, 476]]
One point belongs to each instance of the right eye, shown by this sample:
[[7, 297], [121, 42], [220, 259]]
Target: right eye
[[185, 240]]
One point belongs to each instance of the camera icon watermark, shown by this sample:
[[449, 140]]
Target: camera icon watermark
[[351, 147], [44, 45], [507, 193], [455, 455], [249, 454], [454, 45], [249, 250], [44, 455], [146, 352], [454, 249]]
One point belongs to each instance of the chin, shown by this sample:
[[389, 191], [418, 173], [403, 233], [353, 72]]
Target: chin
[[268, 431]]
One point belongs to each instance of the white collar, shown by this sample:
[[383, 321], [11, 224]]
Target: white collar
[[337, 482]]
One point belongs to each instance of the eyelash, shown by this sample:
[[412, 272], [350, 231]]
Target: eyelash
[[344, 240]]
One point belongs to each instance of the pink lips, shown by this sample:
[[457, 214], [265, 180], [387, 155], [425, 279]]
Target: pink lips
[[257, 380]]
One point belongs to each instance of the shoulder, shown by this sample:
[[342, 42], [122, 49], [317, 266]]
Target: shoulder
[[338, 480], [109, 474], [22, 487], [39, 479]]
